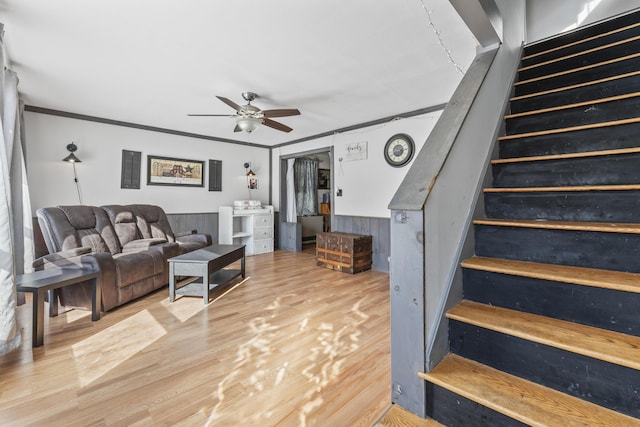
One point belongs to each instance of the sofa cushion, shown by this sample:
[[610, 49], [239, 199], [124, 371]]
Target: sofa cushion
[[124, 223], [135, 267], [70, 227], [153, 223]]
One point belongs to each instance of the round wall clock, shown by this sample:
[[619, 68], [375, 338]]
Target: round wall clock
[[398, 150]]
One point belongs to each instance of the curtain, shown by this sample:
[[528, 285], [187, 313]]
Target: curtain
[[306, 183], [16, 233], [291, 192]]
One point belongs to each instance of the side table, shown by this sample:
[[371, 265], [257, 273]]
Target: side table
[[39, 283]]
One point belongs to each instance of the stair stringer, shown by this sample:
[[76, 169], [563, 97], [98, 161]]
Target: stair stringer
[[455, 201]]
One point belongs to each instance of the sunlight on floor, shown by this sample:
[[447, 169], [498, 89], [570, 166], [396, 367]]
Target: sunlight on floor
[[75, 315], [328, 356], [100, 353], [185, 307], [320, 367]]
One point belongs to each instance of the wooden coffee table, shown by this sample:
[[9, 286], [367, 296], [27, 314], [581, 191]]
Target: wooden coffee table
[[208, 264]]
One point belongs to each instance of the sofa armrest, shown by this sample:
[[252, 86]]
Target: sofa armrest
[[69, 258], [167, 249], [199, 238], [141, 244], [185, 233]]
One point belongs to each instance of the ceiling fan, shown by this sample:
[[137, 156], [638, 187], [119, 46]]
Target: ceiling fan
[[249, 117]]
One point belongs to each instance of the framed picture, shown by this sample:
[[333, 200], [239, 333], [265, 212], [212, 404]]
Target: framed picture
[[324, 179], [253, 183], [173, 171]]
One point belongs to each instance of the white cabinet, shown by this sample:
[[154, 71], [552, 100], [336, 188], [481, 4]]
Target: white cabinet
[[250, 227]]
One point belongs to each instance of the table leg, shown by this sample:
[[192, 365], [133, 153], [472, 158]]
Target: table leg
[[205, 283], [53, 302], [172, 283], [38, 319], [96, 299], [242, 265]]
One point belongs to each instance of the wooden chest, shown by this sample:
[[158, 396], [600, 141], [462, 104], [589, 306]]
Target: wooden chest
[[349, 253]]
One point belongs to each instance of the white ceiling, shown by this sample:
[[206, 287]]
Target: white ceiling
[[150, 62]]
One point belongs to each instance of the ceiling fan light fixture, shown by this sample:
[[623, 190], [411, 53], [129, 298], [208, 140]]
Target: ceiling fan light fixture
[[248, 124]]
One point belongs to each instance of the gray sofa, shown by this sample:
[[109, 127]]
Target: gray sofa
[[128, 244]]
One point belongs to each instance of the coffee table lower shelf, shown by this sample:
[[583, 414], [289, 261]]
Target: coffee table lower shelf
[[208, 264], [193, 286]]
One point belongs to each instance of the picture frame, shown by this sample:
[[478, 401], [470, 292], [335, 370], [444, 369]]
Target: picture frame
[[174, 171], [253, 182], [324, 179]]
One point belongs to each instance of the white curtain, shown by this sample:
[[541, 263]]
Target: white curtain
[[16, 233], [291, 192]]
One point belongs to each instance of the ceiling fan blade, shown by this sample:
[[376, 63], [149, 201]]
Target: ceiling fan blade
[[229, 102], [211, 115], [276, 125], [237, 129], [282, 112]]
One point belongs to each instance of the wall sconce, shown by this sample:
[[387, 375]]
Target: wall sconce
[[71, 158], [252, 179]]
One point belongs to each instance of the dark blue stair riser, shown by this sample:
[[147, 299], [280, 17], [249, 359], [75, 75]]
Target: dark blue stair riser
[[591, 92], [598, 170], [583, 33], [606, 384], [581, 47], [590, 74], [587, 114], [453, 410], [608, 251], [594, 206], [602, 308], [606, 138], [588, 58]]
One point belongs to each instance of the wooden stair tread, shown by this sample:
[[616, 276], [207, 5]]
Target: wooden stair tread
[[520, 399], [575, 86], [618, 187], [397, 416], [603, 227], [609, 279], [577, 42], [570, 129], [584, 52], [574, 70], [574, 105], [582, 154], [613, 347]]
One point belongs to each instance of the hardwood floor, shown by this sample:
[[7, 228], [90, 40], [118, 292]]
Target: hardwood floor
[[291, 345]]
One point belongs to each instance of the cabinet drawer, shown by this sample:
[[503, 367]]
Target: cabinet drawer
[[262, 220], [263, 246], [263, 233]]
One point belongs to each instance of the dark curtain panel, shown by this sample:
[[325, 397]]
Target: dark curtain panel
[[306, 185]]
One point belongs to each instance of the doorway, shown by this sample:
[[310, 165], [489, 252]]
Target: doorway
[[299, 227]]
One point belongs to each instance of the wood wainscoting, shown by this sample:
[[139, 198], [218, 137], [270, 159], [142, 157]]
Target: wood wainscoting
[[378, 228], [292, 345]]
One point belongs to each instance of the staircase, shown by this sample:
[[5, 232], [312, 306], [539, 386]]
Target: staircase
[[548, 332]]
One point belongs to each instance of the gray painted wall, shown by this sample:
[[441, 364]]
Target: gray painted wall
[[546, 18], [203, 222], [378, 228], [380, 233]]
